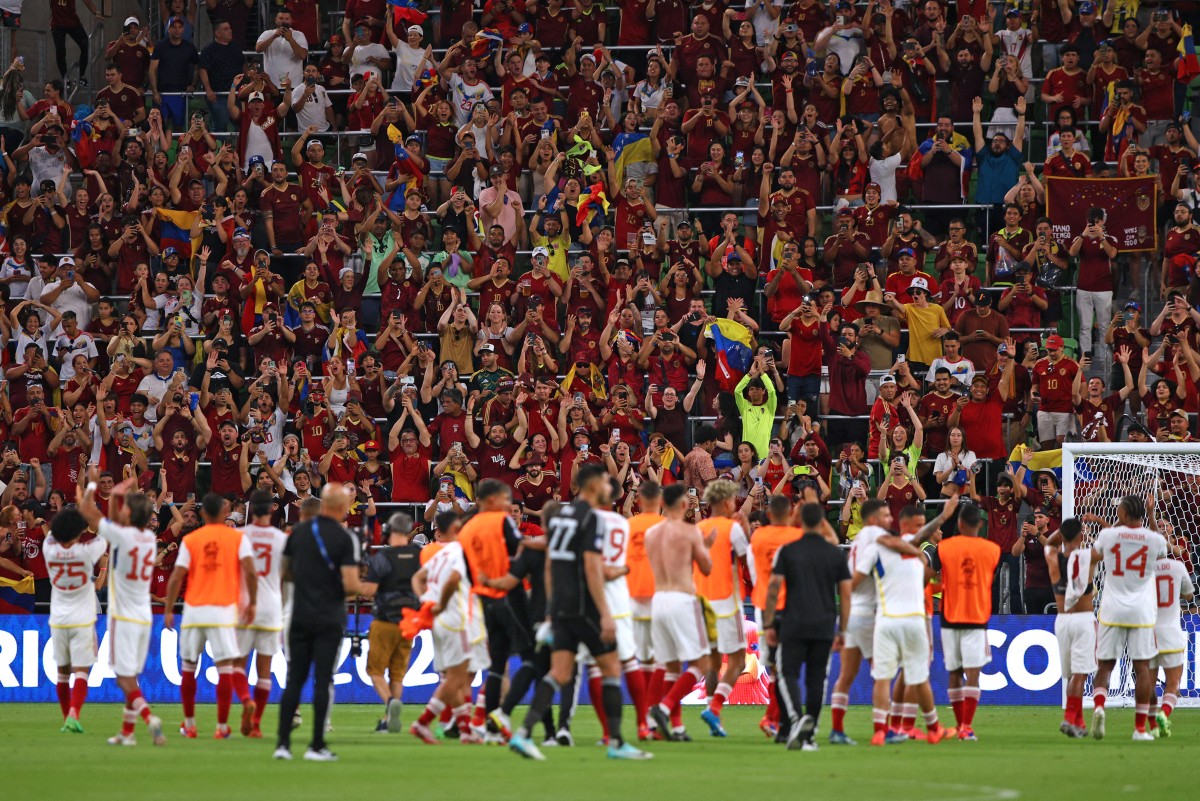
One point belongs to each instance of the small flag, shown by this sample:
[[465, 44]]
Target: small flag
[[588, 200], [1188, 66], [1041, 460], [735, 350]]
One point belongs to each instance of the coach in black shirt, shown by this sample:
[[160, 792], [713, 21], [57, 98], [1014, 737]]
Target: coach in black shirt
[[321, 560], [815, 575]]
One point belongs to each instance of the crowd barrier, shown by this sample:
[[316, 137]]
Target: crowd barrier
[[1024, 669]]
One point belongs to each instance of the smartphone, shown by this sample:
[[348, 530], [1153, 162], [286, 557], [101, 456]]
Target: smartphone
[[901, 359]]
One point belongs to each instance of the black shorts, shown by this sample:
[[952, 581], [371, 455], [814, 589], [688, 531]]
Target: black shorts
[[507, 633], [571, 632], [10, 20]]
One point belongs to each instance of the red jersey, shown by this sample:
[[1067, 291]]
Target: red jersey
[[1095, 268], [1054, 384], [225, 475]]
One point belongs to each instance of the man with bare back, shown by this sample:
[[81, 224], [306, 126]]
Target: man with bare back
[[678, 630]]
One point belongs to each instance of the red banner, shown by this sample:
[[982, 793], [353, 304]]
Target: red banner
[[1131, 205]]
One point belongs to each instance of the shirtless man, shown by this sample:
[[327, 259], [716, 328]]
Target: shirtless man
[[1071, 570], [677, 620]]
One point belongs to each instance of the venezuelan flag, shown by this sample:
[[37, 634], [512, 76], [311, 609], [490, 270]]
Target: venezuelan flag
[[1041, 460], [407, 11], [486, 42], [734, 349], [462, 486], [588, 201], [17, 593], [175, 231], [1188, 66]]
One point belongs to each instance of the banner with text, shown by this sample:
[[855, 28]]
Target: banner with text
[[1024, 668], [1131, 205]]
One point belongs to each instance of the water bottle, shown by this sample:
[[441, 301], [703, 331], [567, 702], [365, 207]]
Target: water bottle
[[811, 68]]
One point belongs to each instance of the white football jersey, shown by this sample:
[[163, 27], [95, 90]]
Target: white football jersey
[[1129, 556], [464, 608], [267, 544], [72, 594], [130, 570], [615, 537], [864, 598], [899, 580], [1171, 582]]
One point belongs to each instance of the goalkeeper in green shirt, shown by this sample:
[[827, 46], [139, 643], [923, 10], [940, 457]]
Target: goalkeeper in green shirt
[[756, 400]]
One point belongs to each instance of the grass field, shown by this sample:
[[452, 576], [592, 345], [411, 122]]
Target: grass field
[[1020, 754]]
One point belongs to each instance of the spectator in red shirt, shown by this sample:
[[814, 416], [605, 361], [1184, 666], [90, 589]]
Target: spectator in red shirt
[[804, 324], [1095, 249], [1054, 375]]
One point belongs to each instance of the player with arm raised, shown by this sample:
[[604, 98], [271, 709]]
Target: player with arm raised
[[1071, 571], [1127, 609], [1172, 584], [579, 611], [263, 635], [675, 549], [901, 639], [72, 609], [134, 550], [640, 582]]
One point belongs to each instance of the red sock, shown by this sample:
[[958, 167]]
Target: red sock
[[654, 687], [772, 713], [241, 687], [128, 720], [480, 709], [683, 685], [837, 710], [677, 717], [596, 691], [446, 714], [958, 707], [463, 715], [1099, 696], [1168, 703], [720, 696], [262, 697], [880, 719], [635, 680], [1139, 716], [224, 696], [187, 693], [137, 704], [970, 704], [908, 717], [432, 709], [78, 694], [63, 688], [1074, 704]]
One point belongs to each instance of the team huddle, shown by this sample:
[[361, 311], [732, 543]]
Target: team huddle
[[651, 598]]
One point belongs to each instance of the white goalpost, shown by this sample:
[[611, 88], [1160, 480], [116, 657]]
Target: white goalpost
[[1095, 476]]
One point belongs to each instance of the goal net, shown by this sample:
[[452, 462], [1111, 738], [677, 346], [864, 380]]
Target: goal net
[[1167, 475]]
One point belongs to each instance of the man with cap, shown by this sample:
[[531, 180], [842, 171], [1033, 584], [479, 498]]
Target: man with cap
[[1023, 303], [981, 330], [632, 210], [130, 53], [495, 450], [310, 101], [1182, 245], [501, 205], [483, 383], [1178, 428], [702, 126], [927, 323], [979, 414], [258, 125], [286, 212], [899, 282], [71, 294], [548, 265], [1038, 594], [221, 60], [1055, 375], [172, 71]]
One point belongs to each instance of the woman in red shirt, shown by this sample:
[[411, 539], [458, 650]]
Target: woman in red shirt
[[714, 180], [848, 171]]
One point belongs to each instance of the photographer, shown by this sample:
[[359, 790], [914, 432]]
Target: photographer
[[1095, 248], [389, 582]]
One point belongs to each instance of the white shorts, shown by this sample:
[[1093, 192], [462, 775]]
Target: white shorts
[[1076, 633], [266, 643], [1052, 425], [964, 649], [222, 641], [1167, 659], [678, 630], [901, 642], [1139, 643], [860, 634], [643, 641], [74, 646], [731, 633], [128, 645], [453, 648]]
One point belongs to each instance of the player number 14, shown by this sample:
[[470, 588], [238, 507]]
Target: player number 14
[[1136, 563]]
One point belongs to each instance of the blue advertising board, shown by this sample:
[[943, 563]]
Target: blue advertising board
[[1024, 669]]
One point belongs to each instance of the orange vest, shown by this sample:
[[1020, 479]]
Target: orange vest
[[430, 551], [640, 578], [968, 564], [215, 574], [717, 585], [765, 543], [482, 540]]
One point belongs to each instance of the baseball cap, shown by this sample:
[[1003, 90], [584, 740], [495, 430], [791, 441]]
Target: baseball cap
[[908, 252], [416, 29], [256, 96], [1012, 12], [487, 348], [683, 224], [241, 233], [132, 21], [918, 283], [581, 430], [66, 261], [1133, 304], [982, 298], [370, 445], [169, 252], [1087, 7], [498, 171], [979, 378], [175, 19], [357, 156], [1179, 413], [312, 142], [887, 379], [541, 251], [506, 385], [1054, 342], [1002, 348], [845, 212]]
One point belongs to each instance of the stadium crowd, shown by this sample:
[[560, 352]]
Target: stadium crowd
[[801, 246]]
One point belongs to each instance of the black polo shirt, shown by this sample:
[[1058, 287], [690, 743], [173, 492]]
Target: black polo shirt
[[319, 596], [811, 569]]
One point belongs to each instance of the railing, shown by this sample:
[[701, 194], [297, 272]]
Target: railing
[[89, 71]]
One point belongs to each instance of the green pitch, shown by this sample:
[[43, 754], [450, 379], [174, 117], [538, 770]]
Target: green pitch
[[1020, 754]]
